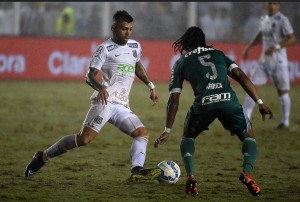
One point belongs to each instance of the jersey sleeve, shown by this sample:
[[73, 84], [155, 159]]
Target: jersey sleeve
[[262, 22], [287, 27], [139, 52], [230, 64], [176, 81], [98, 57]]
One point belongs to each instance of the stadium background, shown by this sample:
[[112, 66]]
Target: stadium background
[[31, 48], [35, 114]]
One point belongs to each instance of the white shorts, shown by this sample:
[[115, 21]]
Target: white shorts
[[277, 72], [116, 114]]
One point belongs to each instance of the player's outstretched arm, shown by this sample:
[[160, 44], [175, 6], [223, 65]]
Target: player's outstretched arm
[[238, 75], [172, 108], [141, 73]]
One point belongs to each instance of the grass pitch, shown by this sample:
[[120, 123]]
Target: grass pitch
[[34, 115]]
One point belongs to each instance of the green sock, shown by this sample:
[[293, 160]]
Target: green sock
[[249, 152], [187, 148]]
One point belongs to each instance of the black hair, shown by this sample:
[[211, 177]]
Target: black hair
[[122, 15], [191, 39]]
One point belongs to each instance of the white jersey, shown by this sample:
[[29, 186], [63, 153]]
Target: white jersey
[[274, 30], [117, 64]]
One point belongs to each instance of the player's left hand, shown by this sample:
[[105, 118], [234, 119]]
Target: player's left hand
[[153, 96], [161, 139], [264, 110]]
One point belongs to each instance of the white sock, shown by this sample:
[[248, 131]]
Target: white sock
[[285, 101], [248, 105], [138, 151]]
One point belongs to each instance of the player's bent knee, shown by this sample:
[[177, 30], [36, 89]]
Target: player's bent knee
[[82, 142], [282, 92], [247, 134], [140, 132], [85, 137]]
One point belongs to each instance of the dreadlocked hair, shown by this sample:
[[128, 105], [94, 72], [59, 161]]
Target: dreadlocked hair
[[191, 39], [122, 15]]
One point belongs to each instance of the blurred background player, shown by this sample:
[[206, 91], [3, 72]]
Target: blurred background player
[[118, 59], [207, 71], [276, 33]]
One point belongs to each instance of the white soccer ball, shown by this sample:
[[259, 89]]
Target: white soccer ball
[[170, 172]]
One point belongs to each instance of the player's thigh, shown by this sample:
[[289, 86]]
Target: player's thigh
[[128, 122], [281, 77], [194, 124], [235, 120], [259, 76], [97, 116]]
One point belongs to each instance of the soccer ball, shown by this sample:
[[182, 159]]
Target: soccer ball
[[170, 172]]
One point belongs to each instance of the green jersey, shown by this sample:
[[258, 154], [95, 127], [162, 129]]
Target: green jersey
[[207, 71]]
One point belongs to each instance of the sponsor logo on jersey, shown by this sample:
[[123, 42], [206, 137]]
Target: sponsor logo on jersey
[[216, 98], [132, 45], [126, 68], [121, 96], [278, 17], [111, 47], [198, 50], [214, 86], [134, 53]]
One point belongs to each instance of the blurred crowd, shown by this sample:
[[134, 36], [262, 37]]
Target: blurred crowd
[[221, 21]]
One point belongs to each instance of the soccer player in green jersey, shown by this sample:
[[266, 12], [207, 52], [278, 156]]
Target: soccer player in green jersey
[[207, 71]]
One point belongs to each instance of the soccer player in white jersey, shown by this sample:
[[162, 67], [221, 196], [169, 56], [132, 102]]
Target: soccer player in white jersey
[[276, 33], [118, 59]]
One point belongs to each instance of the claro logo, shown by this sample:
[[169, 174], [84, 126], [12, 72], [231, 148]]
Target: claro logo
[[64, 63], [12, 63]]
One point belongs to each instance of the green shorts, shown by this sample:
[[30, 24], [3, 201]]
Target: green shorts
[[232, 119]]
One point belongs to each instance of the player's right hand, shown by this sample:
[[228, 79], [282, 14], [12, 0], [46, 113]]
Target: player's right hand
[[102, 96], [270, 51]]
